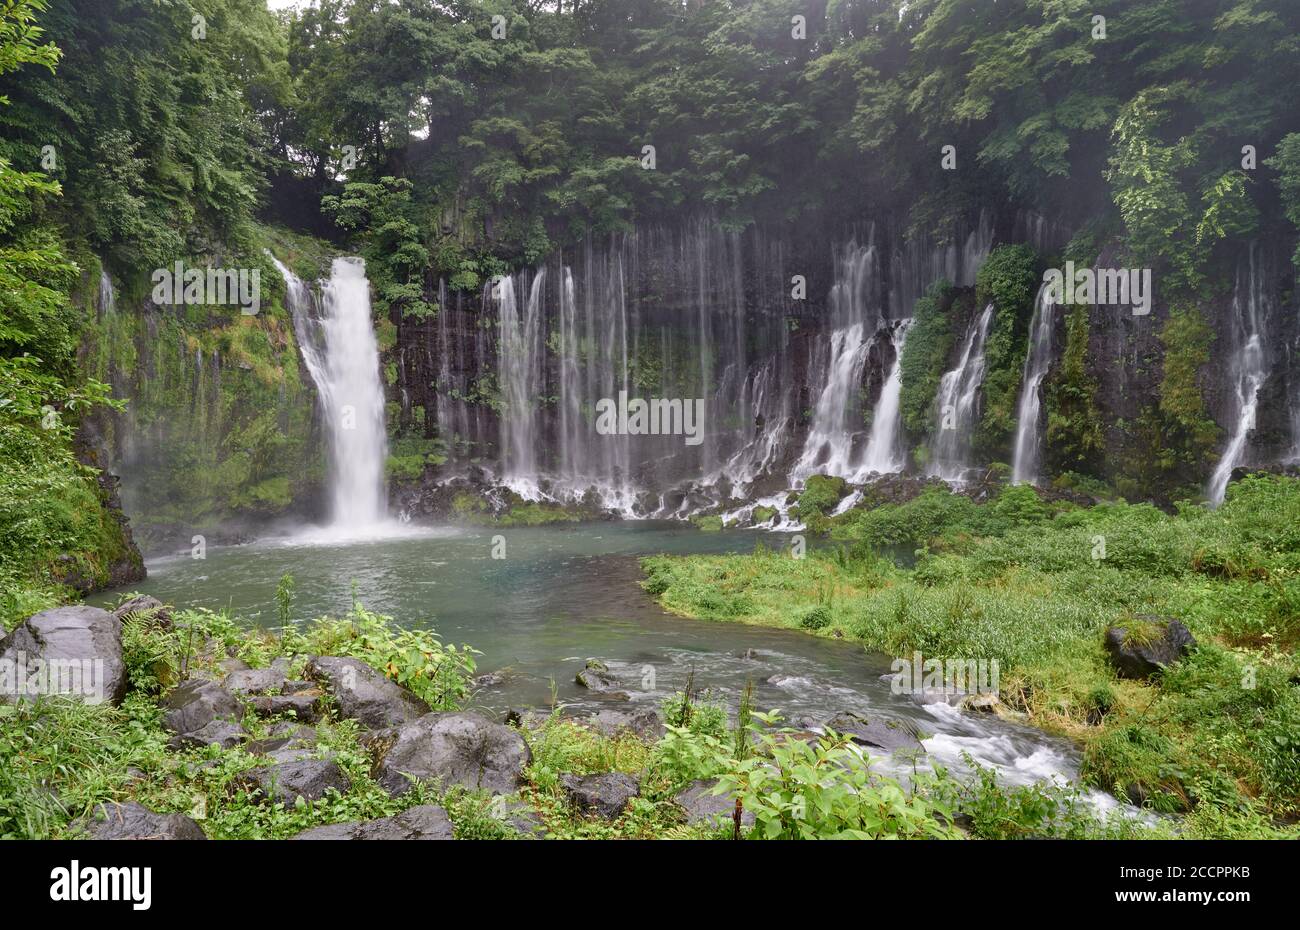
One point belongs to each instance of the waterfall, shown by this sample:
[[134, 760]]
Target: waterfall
[[956, 403], [107, 301], [837, 416], [342, 356], [1246, 372], [521, 381], [884, 453], [1029, 428]]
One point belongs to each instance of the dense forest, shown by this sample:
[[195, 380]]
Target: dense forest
[[829, 220]]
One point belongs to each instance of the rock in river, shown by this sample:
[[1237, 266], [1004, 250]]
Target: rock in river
[[880, 732]]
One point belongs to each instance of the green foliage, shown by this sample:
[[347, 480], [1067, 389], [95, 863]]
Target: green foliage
[[820, 493], [925, 357], [1287, 165], [416, 659], [1027, 583], [798, 790], [1073, 439], [1008, 280]]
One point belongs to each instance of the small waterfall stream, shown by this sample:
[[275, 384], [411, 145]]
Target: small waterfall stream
[[1247, 371], [955, 403], [342, 356], [885, 454], [1029, 427]]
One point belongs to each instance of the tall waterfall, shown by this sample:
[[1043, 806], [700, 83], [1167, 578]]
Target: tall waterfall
[[1247, 371], [1029, 427], [885, 453], [837, 418], [956, 402], [342, 356], [521, 379]]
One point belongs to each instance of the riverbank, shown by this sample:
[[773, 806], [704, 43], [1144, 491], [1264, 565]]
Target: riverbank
[[353, 728], [1035, 586]]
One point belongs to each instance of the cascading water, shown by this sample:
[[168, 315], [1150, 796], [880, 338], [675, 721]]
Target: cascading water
[[342, 356], [1247, 371], [956, 402], [107, 300], [521, 381], [1029, 428], [837, 417], [885, 454]]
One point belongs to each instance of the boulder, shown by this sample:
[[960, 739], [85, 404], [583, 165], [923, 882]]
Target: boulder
[[605, 795], [75, 651], [1148, 646], [146, 608], [254, 681], [458, 748], [595, 677], [881, 732], [703, 806], [131, 821], [520, 817], [287, 781], [284, 735], [643, 723], [305, 707], [202, 713], [365, 694], [427, 822]]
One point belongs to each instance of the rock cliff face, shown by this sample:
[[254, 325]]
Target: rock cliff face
[[784, 340]]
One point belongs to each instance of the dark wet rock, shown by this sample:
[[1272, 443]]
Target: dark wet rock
[[202, 713], [459, 748], [606, 794], [1149, 645], [305, 707], [69, 650], [643, 723], [881, 732], [364, 694], [131, 821], [254, 681], [595, 677], [284, 735], [703, 806], [287, 781], [521, 818], [232, 664], [427, 822], [144, 607]]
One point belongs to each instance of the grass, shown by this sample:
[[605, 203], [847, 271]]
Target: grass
[[1034, 586]]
